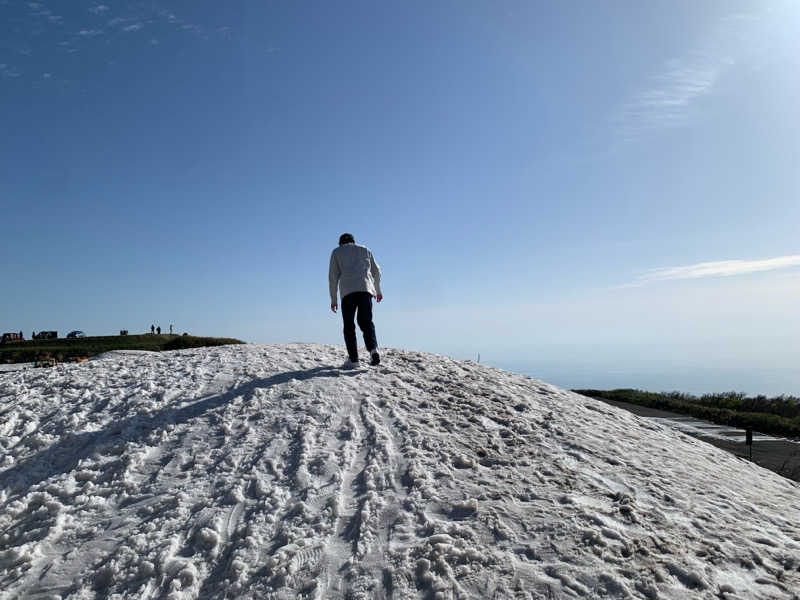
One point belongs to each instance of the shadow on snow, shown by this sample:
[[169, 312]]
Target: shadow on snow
[[65, 455]]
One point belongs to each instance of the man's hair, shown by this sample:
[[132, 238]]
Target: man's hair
[[346, 238]]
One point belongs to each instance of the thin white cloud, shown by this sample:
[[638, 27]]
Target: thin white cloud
[[40, 10], [671, 97], [721, 268], [667, 104], [8, 71], [74, 32], [179, 23]]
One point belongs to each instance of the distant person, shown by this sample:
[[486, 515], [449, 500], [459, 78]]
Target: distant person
[[354, 271], [170, 328], [152, 329], [158, 330]]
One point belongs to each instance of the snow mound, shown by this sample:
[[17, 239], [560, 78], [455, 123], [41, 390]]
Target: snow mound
[[260, 471]]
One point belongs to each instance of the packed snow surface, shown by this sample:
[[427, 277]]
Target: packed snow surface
[[14, 367], [259, 471]]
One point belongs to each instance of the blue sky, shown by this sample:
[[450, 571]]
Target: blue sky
[[597, 194]]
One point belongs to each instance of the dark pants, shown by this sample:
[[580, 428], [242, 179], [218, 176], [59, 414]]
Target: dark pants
[[361, 302]]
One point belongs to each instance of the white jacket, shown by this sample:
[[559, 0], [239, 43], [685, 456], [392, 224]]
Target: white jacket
[[353, 269]]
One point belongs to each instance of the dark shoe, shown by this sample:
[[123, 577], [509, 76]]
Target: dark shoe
[[376, 358]]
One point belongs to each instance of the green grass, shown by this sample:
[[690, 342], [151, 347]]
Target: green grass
[[777, 416], [62, 348]]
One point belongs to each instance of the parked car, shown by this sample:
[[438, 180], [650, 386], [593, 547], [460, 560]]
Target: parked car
[[46, 335], [76, 334]]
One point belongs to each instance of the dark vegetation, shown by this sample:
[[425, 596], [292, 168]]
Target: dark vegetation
[[777, 416], [63, 348]]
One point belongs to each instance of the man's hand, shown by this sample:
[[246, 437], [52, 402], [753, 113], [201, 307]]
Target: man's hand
[[379, 297], [334, 306]]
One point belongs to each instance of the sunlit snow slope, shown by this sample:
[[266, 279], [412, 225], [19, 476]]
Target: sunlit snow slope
[[268, 472]]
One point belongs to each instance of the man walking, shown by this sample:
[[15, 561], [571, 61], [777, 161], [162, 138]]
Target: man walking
[[354, 271]]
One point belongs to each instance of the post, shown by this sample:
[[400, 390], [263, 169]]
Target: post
[[748, 439]]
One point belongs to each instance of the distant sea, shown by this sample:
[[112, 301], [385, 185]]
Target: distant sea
[[697, 380]]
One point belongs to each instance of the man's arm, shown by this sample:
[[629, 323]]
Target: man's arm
[[333, 281], [376, 276]]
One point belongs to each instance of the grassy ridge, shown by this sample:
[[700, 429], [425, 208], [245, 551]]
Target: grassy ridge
[[777, 416], [90, 346]]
